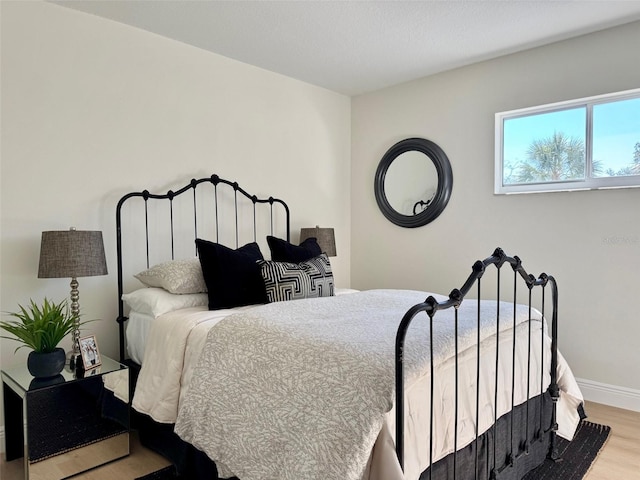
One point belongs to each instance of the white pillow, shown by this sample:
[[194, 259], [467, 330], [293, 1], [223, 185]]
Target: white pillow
[[156, 301], [175, 276]]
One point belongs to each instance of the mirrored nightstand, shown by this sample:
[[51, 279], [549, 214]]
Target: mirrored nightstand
[[67, 424]]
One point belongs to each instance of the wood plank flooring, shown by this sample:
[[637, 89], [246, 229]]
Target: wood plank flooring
[[619, 460], [620, 457]]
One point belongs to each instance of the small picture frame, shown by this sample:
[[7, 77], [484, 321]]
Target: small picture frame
[[89, 351]]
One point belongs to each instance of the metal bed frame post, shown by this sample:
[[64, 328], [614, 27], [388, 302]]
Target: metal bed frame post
[[431, 306], [495, 393], [477, 412]]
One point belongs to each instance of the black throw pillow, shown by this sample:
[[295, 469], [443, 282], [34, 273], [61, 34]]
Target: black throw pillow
[[232, 277], [283, 251]]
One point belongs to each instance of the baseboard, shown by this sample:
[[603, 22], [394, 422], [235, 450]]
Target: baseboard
[[612, 395]]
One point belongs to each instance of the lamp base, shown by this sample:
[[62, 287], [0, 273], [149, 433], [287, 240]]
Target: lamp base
[[74, 360]]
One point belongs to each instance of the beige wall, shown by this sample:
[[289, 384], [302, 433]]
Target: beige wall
[[92, 110], [590, 241]]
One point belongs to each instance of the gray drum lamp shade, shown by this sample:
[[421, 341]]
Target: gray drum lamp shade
[[72, 253], [325, 236]]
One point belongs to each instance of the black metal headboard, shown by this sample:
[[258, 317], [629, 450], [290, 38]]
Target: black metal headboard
[[206, 212]]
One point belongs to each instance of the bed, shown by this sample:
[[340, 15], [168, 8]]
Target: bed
[[293, 378]]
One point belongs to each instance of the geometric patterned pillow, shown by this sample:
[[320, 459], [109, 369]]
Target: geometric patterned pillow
[[293, 281]]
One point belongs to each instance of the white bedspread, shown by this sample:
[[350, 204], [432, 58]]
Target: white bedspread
[[173, 347], [304, 389]]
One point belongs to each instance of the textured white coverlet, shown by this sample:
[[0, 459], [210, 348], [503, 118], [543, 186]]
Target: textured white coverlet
[[172, 346], [169, 359], [301, 389]]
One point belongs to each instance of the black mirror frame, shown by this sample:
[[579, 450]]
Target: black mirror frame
[[443, 192]]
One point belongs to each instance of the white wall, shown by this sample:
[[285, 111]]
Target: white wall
[[590, 241], [92, 109]]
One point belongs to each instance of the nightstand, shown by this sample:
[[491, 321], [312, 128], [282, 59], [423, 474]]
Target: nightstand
[[69, 423]]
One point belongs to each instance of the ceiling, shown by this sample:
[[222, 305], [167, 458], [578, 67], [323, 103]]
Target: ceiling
[[353, 47]]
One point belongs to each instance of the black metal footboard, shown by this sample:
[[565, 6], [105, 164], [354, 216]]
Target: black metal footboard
[[486, 462]]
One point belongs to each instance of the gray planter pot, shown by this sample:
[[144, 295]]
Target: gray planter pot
[[44, 365]]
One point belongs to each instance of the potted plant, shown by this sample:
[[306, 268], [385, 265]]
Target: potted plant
[[41, 328]]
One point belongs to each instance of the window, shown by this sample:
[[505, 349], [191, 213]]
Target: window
[[581, 144]]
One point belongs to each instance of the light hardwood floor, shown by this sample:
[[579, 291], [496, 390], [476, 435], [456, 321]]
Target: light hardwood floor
[[619, 460], [620, 457]]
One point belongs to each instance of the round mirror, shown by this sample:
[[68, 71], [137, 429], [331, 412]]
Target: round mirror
[[413, 182]]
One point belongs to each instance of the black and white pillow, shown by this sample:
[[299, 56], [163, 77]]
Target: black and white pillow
[[293, 281]]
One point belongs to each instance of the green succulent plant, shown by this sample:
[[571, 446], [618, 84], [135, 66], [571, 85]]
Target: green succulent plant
[[41, 328]]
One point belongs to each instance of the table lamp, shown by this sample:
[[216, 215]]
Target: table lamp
[[71, 254]]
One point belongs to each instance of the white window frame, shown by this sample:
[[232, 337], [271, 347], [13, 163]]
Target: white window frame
[[589, 183]]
